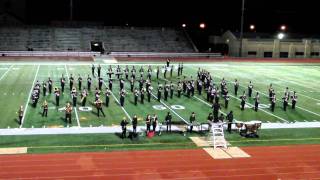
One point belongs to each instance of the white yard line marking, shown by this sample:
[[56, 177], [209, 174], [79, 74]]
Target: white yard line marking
[[170, 109], [29, 96], [76, 112], [4, 74], [123, 109]]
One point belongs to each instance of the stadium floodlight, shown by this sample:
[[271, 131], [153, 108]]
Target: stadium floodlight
[[252, 27], [280, 36], [184, 25], [202, 25], [283, 27]]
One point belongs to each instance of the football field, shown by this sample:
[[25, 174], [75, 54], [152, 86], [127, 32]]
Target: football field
[[18, 79]]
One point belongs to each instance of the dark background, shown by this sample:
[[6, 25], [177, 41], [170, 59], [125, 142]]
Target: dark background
[[219, 15], [267, 15]]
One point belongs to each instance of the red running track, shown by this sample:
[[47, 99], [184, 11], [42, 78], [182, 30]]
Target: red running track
[[274, 162]]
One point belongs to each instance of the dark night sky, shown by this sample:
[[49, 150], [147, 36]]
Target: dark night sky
[[267, 15]]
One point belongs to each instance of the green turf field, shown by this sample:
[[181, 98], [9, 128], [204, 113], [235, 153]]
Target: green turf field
[[16, 81]]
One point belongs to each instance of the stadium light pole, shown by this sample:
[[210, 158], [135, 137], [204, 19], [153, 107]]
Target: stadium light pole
[[241, 28], [71, 10]]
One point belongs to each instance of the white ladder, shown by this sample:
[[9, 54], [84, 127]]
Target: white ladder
[[218, 135]]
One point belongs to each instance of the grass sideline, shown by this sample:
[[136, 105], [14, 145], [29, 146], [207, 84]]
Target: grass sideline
[[112, 142]]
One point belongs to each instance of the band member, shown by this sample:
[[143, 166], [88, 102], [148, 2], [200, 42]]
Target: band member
[[168, 62], [141, 70], [165, 72], [149, 91], [171, 89], [243, 100], [159, 91], [287, 92], [136, 95], [92, 70], [226, 100], [192, 120], [273, 102], [100, 82], [44, 88], [118, 72], [97, 94], [210, 120], [108, 93], [109, 72], [179, 69], [79, 82], [89, 82], [110, 84], [179, 89], [71, 82], [126, 72], [57, 95], [199, 86], [250, 88], [294, 99], [122, 96], [230, 120], [62, 83], [68, 110], [271, 91], [20, 113], [148, 123], [236, 87], [158, 71], [84, 95], [141, 82], [74, 95], [123, 124], [166, 91], [50, 85], [142, 95], [45, 108], [154, 122], [216, 107], [149, 72], [171, 70], [121, 83], [134, 124], [285, 102], [98, 104], [133, 72], [131, 84], [99, 70], [256, 102], [168, 120]]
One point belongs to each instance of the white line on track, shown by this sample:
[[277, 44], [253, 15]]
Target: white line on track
[[29, 96], [123, 109], [75, 108], [4, 74]]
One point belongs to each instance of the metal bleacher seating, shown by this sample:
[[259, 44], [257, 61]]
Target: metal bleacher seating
[[115, 39]]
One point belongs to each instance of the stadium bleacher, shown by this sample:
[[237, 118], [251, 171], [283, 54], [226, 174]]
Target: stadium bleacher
[[78, 39]]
